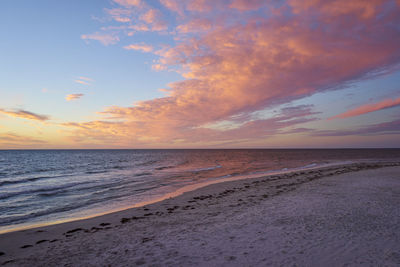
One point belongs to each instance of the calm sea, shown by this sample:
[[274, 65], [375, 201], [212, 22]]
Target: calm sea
[[39, 186]]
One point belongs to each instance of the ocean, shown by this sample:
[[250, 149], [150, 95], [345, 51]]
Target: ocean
[[48, 186]]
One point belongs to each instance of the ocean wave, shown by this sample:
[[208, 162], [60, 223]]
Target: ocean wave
[[96, 171], [52, 193], [15, 219], [207, 168], [118, 167], [12, 172], [147, 163], [144, 189], [282, 170], [41, 192], [164, 167], [310, 165], [43, 189], [32, 179], [142, 174]]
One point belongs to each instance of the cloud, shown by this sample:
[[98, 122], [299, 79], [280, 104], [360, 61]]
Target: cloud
[[105, 39], [129, 3], [84, 80], [337, 8], [158, 67], [153, 17], [245, 5], [247, 67], [133, 16], [24, 114], [195, 25], [174, 5], [73, 97], [136, 132], [12, 140], [391, 127], [120, 14], [367, 108], [256, 57], [100, 132], [141, 47]]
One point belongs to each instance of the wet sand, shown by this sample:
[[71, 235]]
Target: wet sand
[[333, 216]]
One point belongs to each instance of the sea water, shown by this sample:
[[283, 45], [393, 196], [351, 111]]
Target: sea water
[[45, 186]]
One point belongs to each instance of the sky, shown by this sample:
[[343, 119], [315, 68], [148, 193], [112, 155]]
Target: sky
[[199, 74]]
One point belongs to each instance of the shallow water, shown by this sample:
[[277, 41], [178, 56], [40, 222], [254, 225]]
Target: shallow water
[[39, 186]]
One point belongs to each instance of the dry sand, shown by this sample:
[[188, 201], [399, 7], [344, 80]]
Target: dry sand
[[333, 216]]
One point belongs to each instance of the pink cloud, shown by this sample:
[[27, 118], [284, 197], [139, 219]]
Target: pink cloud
[[162, 133], [153, 18], [105, 39], [200, 5], [128, 3], [195, 25], [140, 47], [174, 5], [120, 14], [139, 27], [246, 63], [360, 8], [367, 108], [245, 5]]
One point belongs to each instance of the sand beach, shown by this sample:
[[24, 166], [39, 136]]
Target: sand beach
[[333, 216]]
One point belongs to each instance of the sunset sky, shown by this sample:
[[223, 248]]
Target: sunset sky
[[199, 74]]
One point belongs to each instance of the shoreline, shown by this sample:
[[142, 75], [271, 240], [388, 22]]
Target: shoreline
[[25, 243], [178, 192]]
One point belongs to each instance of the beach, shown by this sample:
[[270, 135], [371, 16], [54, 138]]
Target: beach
[[331, 216]]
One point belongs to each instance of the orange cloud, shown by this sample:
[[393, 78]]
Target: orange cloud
[[140, 47], [158, 67], [24, 114], [387, 103], [12, 140], [84, 80], [73, 97]]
